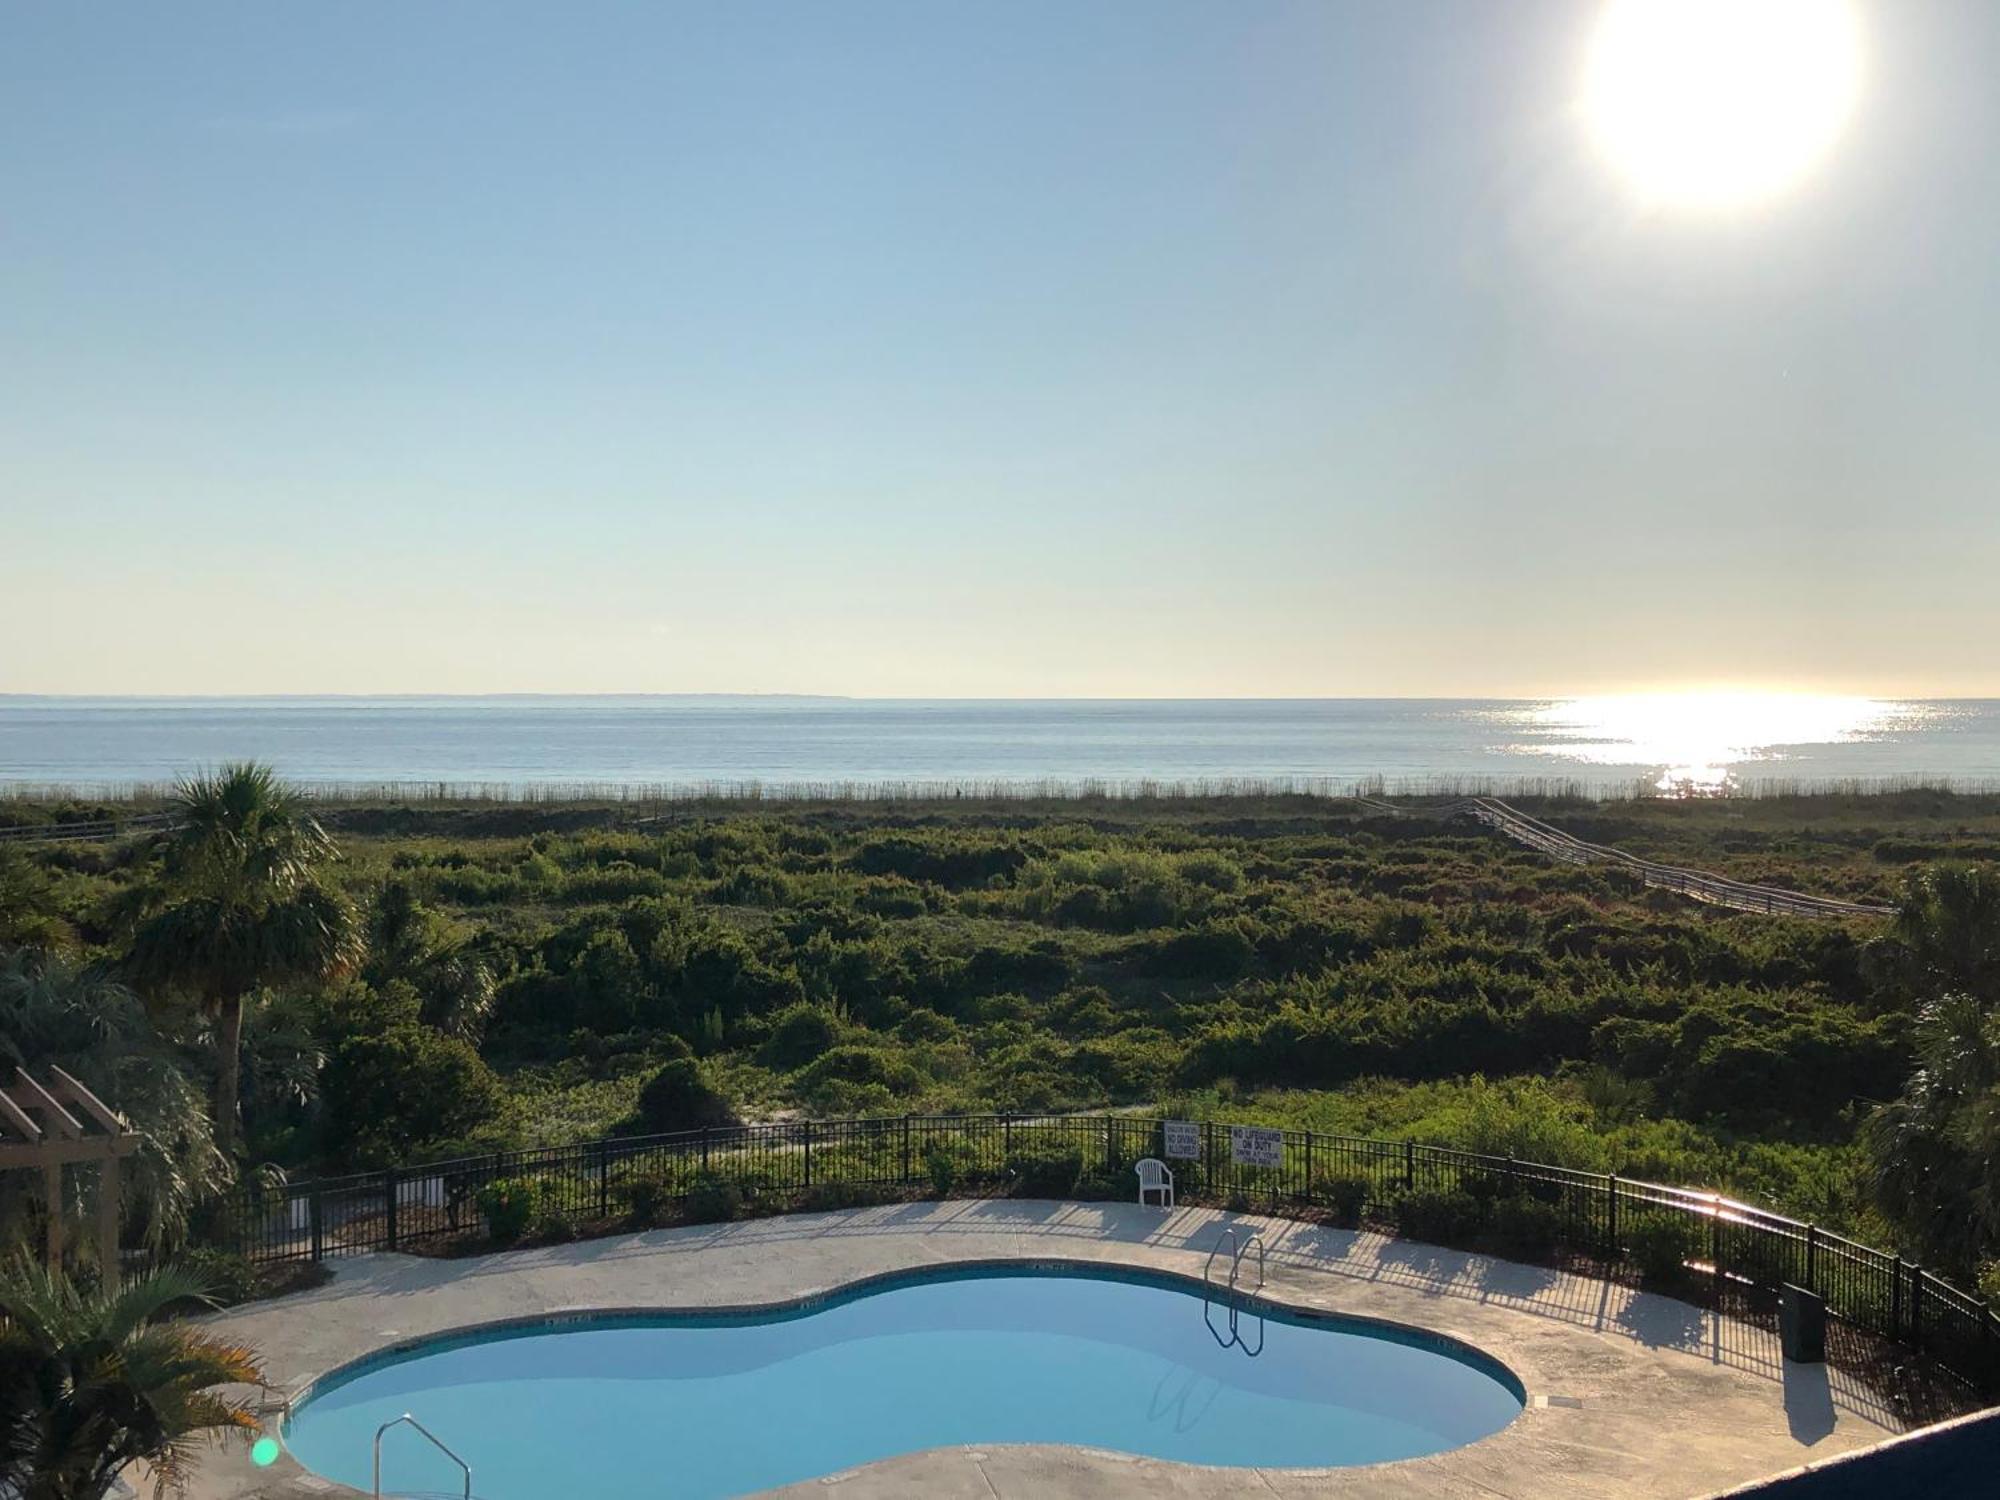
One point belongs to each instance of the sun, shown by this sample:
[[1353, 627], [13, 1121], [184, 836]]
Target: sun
[[1718, 103]]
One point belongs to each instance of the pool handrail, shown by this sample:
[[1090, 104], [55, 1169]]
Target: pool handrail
[[436, 1442]]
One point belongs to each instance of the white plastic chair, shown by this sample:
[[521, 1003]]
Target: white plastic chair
[[1154, 1177]]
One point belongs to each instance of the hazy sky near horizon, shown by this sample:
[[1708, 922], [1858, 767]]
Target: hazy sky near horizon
[[1125, 348]]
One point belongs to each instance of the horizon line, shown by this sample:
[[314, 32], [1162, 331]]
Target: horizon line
[[796, 697]]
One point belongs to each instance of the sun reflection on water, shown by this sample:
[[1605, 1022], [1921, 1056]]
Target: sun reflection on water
[[1697, 741]]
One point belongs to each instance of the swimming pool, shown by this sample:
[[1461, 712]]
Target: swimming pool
[[703, 1406]]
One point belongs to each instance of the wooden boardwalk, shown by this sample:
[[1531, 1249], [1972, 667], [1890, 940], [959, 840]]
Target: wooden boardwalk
[[1718, 890]]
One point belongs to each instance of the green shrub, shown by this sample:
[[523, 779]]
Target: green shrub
[[554, 1222], [1525, 1225], [1346, 1199], [1105, 1185], [1661, 1247], [384, 1092], [799, 1034], [680, 1097], [713, 1200], [852, 1078], [509, 1206], [1045, 1172], [941, 1165], [1437, 1216], [229, 1278], [826, 1197], [647, 1199], [1766, 1259]]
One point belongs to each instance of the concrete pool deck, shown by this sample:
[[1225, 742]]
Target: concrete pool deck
[[1629, 1394]]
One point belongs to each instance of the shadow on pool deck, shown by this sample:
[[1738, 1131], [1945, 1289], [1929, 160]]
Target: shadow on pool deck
[[1811, 1392]]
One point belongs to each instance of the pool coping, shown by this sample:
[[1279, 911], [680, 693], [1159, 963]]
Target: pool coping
[[1617, 1413]]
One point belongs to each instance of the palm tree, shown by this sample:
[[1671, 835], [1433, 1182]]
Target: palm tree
[[1936, 1148], [408, 941], [91, 1383], [240, 904], [1946, 936], [54, 1012]]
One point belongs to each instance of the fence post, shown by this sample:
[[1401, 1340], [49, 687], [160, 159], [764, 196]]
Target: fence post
[[1308, 1193], [1715, 1241], [317, 1212], [603, 1179], [1916, 1307], [1611, 1247], [906, 1147], [1208, 1155], [704, 1148], [389, 1196], [1409, 1165], [1812, 1258], [1896, 1298], [809, 1153]]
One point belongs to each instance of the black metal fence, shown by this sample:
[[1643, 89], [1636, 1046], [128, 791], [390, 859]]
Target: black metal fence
[[799, 1163]]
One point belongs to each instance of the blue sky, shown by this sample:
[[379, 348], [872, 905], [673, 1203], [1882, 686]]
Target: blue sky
[[1136, 347]]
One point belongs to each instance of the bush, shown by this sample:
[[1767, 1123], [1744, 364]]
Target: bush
[[386, 1092], [941, 1166], [1347, 1198], [509, 1206], [851, 1078], [554, 1222], [227, 1277], [647, 1199], [825, 1197], [679, 1097], [1661, 1248], [1437, 1216], [1525, 1225], [713, 1200], [1105, 1185], [799, 1034], [1045, 1172]]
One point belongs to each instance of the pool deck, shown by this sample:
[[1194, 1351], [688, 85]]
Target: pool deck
[[1629, 1394]]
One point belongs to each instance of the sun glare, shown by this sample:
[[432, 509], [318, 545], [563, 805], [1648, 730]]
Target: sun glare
[[1696, 738], [1716, 103]]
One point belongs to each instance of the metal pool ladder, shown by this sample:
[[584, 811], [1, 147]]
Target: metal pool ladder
[[1238, 1248], [1233, 1292], [435, 1441]]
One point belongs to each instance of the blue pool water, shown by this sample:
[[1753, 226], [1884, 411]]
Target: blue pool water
[[696, 1408]]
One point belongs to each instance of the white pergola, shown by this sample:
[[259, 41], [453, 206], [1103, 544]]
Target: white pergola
[[50, 1125]]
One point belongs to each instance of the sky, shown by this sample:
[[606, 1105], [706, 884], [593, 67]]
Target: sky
[[1134, 348]]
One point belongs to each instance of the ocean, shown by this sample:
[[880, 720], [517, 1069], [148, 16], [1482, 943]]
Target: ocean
[[542, 745]]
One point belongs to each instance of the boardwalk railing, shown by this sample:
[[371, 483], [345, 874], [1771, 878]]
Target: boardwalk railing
[[808, 1163], [99, 831], [1719, 890]]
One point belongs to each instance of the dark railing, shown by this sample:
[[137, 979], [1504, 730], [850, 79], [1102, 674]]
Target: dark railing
[[795, 1161]]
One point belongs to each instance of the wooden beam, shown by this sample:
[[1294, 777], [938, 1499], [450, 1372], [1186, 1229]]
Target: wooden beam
[[46, 1152], [52, 1182], [108, 1204], [88, 1102], [32, 1094], [13, 1114]]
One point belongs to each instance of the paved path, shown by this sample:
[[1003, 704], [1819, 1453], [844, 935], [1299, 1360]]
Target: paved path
[[1631, 1395]]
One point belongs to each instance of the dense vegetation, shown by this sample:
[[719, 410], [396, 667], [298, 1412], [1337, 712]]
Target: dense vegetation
[[461, 977]]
